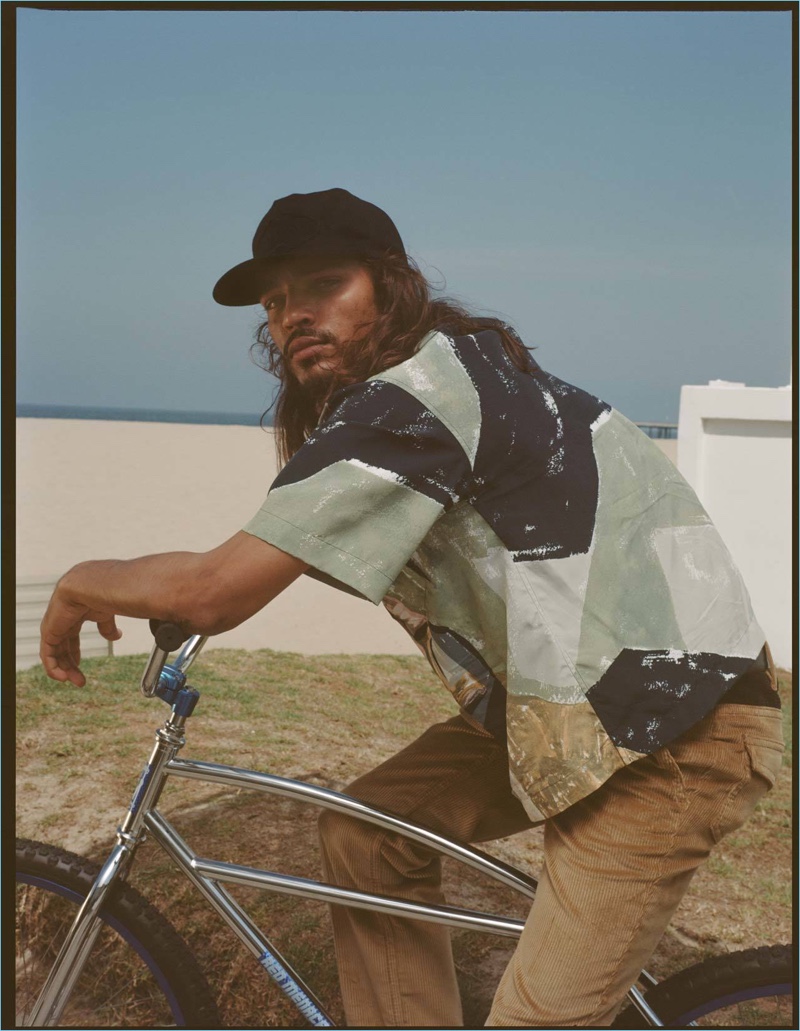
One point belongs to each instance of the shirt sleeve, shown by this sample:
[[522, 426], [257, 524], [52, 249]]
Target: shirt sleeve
[[360, 495]]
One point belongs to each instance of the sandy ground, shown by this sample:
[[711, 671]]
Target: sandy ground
[[88, 489]]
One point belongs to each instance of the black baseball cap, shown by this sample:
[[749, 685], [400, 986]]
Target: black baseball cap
[[331, 222]]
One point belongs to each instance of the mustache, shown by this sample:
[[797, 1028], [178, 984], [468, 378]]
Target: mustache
[[321, 335]]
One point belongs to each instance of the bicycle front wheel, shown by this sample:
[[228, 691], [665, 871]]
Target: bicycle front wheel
[[140, 972], [753, 989]]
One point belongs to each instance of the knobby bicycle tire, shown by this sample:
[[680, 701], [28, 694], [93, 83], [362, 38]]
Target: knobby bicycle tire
[[753, 988], [140, 972]]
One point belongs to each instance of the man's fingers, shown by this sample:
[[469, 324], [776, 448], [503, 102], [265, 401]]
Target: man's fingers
[[73, 648], [59, 663], [60, 649], [108, 628]]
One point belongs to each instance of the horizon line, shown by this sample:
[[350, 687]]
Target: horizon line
[[116, 413]]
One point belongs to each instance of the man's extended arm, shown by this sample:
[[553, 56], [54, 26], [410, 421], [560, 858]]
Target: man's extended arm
[[206, 593]]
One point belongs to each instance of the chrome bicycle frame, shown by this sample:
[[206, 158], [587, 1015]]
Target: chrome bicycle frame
[[209, 875]]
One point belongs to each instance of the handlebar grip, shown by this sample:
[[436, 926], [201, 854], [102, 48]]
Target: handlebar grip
[[168, 636]]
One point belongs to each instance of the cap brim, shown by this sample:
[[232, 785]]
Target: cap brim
[[244, 283]]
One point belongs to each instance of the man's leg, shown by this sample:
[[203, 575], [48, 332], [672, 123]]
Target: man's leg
[[618, 863], [394, 971]]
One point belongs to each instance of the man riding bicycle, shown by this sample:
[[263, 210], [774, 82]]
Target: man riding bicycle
[[557, 571]]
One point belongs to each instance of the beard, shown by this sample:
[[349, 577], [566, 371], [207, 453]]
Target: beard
[[316, 376]]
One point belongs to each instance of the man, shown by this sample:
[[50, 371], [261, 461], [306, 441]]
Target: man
[[562, 579]]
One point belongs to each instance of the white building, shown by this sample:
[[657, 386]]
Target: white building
[[735, 449]]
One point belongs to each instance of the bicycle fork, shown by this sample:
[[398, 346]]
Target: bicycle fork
[[74, 953]]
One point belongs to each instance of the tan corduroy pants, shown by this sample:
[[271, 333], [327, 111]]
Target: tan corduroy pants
[[616, 866]]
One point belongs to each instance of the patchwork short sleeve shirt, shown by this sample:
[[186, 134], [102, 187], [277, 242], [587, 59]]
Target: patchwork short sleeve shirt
[[560, 575]]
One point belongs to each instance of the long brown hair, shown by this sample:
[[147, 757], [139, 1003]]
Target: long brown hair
[[407, 311]]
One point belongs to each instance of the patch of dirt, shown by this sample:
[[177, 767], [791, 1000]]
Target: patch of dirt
[[44, 800]]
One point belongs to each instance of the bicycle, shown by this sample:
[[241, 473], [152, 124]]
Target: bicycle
[[91, 951]]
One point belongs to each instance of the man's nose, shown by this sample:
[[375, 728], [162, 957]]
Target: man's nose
[[299, 310]]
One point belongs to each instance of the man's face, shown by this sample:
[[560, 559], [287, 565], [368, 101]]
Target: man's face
[[315, 306]]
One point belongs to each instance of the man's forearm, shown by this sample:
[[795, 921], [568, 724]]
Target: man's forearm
[[167, 586], [205, 593]]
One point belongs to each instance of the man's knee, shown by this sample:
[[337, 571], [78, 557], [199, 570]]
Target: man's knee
[[336, 831], [365, 855], [349, 847]]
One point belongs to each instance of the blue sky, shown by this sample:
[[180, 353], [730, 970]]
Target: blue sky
[[616, 184]]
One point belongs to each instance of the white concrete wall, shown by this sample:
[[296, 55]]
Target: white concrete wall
[[735, 449], [88, 489]]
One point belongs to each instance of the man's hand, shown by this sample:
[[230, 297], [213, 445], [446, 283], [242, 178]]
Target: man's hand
[[60, 649]]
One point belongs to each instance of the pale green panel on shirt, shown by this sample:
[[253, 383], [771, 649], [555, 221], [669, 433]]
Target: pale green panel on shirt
[[457, 597], [544, 624], [536, 662], [411, 591], [539, 662], [436, 377], [710, 599], [357, 524], [628, 600]]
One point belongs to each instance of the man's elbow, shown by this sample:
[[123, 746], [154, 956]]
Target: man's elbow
[[208, 615], [209, 607], [224, 587], [205, 622]]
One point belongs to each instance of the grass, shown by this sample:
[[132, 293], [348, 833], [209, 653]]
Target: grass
[[324, 719]]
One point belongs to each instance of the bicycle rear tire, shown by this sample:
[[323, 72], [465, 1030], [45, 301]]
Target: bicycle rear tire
[[753, 988], [140, 973]]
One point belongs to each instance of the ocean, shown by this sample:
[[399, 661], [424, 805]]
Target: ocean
[[38, 411]]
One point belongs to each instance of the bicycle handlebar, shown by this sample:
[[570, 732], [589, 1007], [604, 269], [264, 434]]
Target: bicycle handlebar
[[168, 637], [189, 652]]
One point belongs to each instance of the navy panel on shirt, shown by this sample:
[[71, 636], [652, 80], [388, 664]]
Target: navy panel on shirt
[[535, 471], [645, 699], [385, 427]]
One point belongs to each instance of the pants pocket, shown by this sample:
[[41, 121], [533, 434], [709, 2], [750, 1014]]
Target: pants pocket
[[763, 766], [766, 759]]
